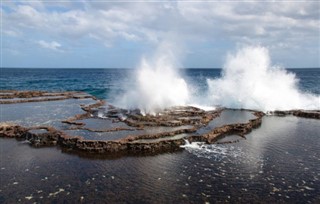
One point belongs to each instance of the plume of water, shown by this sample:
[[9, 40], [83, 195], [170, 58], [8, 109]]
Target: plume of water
[[157, 83], [249, 81]]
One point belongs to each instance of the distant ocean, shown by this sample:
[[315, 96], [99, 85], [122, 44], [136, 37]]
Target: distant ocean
[[106, 83]]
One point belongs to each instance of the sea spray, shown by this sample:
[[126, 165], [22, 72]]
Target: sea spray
[[157, 83], [249, 81]]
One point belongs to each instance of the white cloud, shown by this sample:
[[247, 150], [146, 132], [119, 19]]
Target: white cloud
[[134, 21], [11, 33], [53, 45], [267, 23]]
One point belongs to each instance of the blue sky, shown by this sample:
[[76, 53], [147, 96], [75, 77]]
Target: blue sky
[[110, 34]]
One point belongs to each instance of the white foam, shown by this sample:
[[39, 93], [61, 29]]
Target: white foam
[[158, 84], [203, 107], [216, 152], [249, 81], [101, 115]]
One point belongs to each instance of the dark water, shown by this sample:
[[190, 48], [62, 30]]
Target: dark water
[[108, 83], [98, 82], [277, 163]]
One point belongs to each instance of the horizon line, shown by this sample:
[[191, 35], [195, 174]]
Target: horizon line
[[133, 68]]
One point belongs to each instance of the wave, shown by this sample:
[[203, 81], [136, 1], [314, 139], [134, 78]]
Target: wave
[[249, 81], [157, 84]]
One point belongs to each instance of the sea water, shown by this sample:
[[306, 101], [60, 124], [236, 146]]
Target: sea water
[[107, 83], [278, 162]]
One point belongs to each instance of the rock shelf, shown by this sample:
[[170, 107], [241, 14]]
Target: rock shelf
[[315, 114], [166, 131], [11, 97]]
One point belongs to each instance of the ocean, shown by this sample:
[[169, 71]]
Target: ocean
[[108, 83], [278, 162]]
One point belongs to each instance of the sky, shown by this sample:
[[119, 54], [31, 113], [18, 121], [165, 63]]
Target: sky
[[117, 34]]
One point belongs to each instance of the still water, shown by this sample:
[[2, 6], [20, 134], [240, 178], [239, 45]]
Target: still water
[[279, 162]]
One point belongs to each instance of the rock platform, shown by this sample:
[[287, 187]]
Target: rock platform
[[94, 126]]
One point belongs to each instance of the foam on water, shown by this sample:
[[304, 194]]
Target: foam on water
[[250, 81], [216, 152]]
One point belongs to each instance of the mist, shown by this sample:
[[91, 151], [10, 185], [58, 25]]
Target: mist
[[250, 81], [157, 83]]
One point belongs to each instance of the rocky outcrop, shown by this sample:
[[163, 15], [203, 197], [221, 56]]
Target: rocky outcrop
[[173, 117], [88, 113], [48, 138], [182, 121], [239, 129], [162, 141], [12, 130], [54, 137], [22, 94], [131, 138], [315, 114], [11, 97]]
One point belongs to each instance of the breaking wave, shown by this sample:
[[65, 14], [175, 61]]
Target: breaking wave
[[158, 84], [250, 81]]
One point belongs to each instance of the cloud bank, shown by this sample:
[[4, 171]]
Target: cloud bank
[[207, 29]]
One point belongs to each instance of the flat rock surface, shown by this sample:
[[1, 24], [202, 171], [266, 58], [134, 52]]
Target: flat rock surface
[[78, 121]]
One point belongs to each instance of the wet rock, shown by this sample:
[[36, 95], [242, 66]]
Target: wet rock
[[315, 114], [11, 97], [12, 130], [177, 116], [307, 114], [239, 129], [193, 118]]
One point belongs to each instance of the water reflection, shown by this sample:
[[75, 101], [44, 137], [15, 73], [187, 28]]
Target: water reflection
[[279, 162], [49, 113]]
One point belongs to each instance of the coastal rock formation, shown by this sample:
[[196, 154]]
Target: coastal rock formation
[[12, 130], [166, 131], [11, 97], [240, 129], [299, 113]]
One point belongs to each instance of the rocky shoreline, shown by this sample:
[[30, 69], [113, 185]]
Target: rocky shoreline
[[186, 120], [299, 113]]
